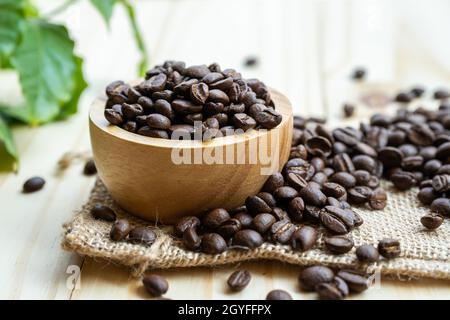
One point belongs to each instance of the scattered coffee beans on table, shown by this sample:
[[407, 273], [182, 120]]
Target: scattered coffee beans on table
[[278, 295], [189, 100], [90, 168], [155, 285], [238, 280], [359, 73], [33, 184]]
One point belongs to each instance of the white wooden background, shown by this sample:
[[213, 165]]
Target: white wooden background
[[306, 49]]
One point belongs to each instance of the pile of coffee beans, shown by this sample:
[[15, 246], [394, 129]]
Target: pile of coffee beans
[[197, 99]]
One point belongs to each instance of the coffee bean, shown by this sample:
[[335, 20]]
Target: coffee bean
[[142, 235], [243, 121], [359, 74], [331, 189], [441, 183], [342, 162], [338, 244], [348, 110], [344, 179], [268, 118], [418, 91], [248, 238], [390, 156], [120, 230], [229, 228], [199, 93], [404, 97], [403, 180], [184, 223], [214, 218], [304, 238], [319, 146], [238, 280], [441, 206], [198, 71], [278, 295], [431, 167], [130, 126], [274, 182], [367, 253], [432, 221], [89, 168], [311, 277], [337, 220], [313, 196], [296, 208], [285, 193], [359, 194], [191, 239], [296, 181], [154, 133], [33, 184], [300, 167], [378, 199], [164, 108], [263, 221], [245, 219], [213, 243], [158, 121], [389, 248], [257, 205], [427, 195], [441, 94], [279, 214], [155, 285], [102, 212], [355, 281], [336, 290], [281, 231]]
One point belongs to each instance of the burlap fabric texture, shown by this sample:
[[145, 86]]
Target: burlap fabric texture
[[424, 253]]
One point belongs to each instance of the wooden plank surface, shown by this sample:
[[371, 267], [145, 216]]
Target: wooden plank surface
[[306, 49]]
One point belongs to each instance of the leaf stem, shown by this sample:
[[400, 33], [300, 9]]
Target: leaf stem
[[137, 36], [59, 9]]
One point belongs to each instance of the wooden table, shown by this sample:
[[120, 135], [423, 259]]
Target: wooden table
[[306, 49]]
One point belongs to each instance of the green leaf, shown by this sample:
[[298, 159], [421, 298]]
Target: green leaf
[[12, 17], [71, 106], [47, 66], [105, 7], [8, 152]]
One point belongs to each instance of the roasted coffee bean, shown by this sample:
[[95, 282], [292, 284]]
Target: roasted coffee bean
[[199, 93], [311, 213], [345, 136], [167, 95], [158, 121], [403, 180], [363, 162], [198, 71], [304, 238], [229, 228], [421, 135], [356, 282], [243, 121], [120, 230], [296, 208], [191, 239], [279, 214], [263, 221], [214, 218], [296, 181], [184, 223], [248, 238], [432, 221], [311, 277], [331, 189], [427, 195], [389, 248], [367, 253], [102, 212], [212, 77], [155, 285], [281, 231], [418, 91], [89, 168], [224, 84], [274, 182], [278, 295], [33, 184], [441, 183], [343, 162], [238, 280], [142, 235], [319, 146], [359, 74], [378, 199], [285, 193], [336, 220], [301, 167], [390, 157], [344, 179], [319, 178], [313, 195], [213, 243], [431, 167], [408, 150], [359, 194], [338, 244], [164, 108], [131, 126], [441, 94], [336, 290], [184, 107], [441, 206], [348, 110], [412, 163], [113, 116], [404, 97], [154, 133], [263, 202], [245, 219], [268, 118]]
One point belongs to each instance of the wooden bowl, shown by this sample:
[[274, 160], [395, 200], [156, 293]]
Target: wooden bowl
[[141, 176]]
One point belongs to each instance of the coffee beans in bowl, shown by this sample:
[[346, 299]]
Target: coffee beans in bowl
[[200, 101]]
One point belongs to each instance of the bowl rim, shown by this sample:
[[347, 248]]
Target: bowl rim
[[97, 118]]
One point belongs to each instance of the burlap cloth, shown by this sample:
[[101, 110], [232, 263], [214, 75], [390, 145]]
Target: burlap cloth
[[424, 253]]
